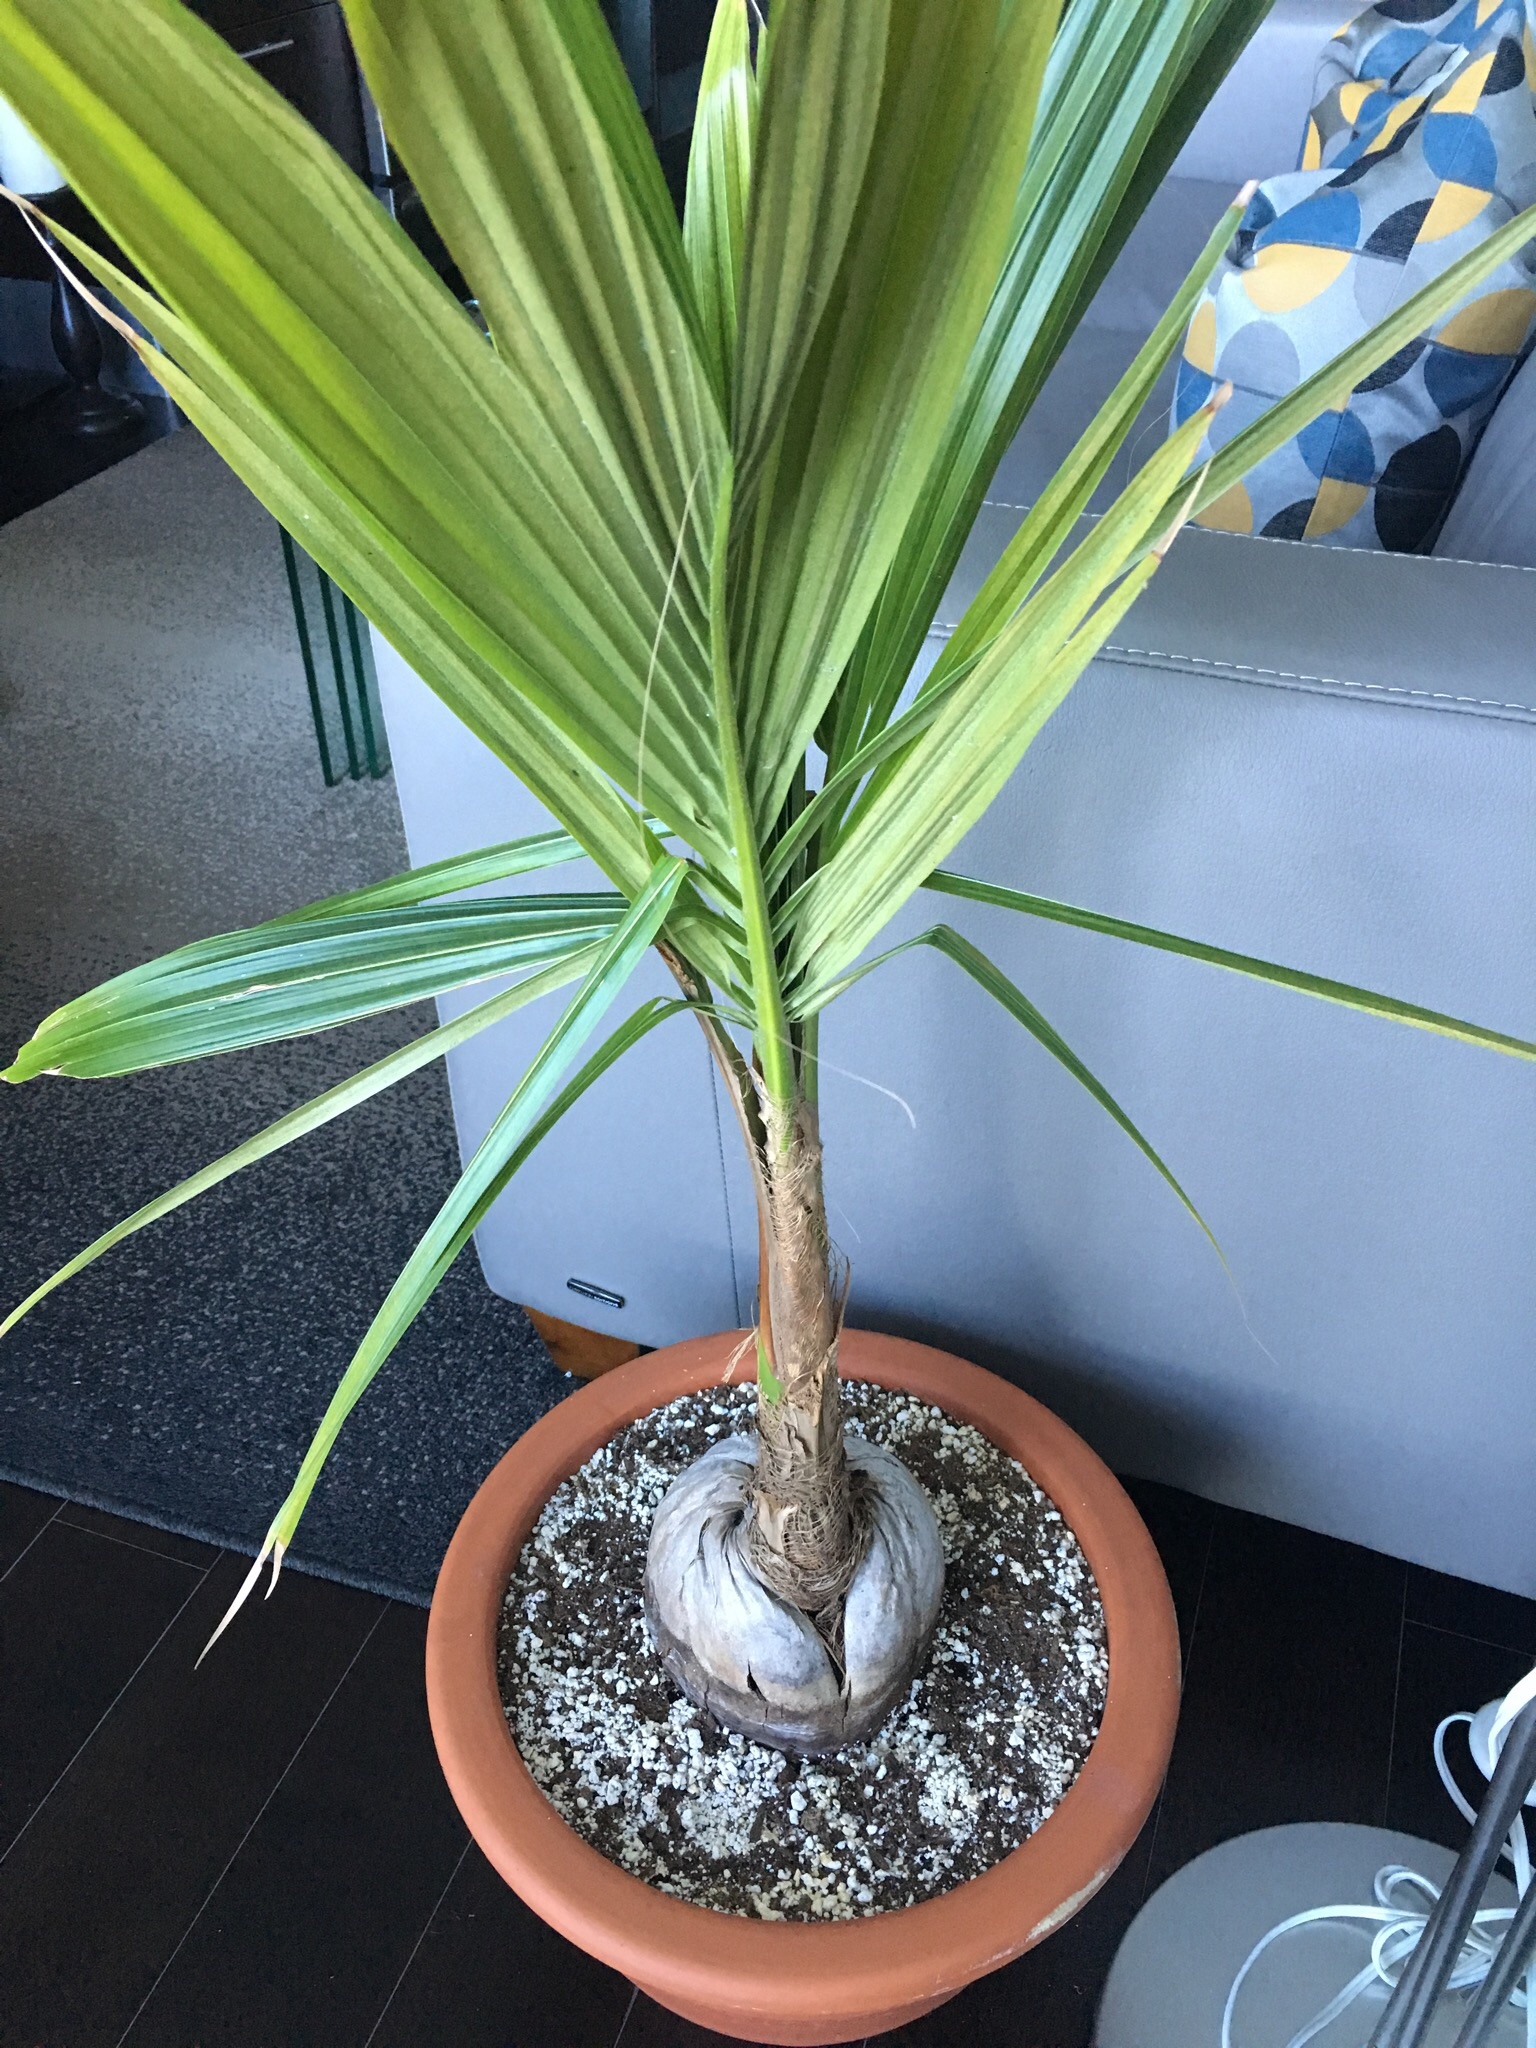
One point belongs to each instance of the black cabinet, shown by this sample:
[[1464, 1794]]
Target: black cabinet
[[303, 52], [232, 17]]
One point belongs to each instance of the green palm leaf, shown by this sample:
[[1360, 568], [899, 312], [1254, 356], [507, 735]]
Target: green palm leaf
[[988, 975], [719, 180], [1047, 527], [448, 877], [821, 70], [533, 1109], [1343, 992], [290, 977], [823, 810], [956, 109], [347, 541], [1039, 538], [1124, 85], [528, 149], [480, 482], [440, 637], [920, 806], [321, 1109], [929, 796]]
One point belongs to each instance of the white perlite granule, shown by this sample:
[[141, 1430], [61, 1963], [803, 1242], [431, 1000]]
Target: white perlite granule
[[980, 1752]]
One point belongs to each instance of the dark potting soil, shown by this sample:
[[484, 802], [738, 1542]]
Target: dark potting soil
[[980, 1752]]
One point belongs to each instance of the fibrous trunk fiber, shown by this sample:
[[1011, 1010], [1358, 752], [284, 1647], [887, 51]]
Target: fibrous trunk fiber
[[805, 1536], [793, 1583]]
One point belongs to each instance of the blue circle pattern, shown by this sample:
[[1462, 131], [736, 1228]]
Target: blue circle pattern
[[1398, 207], [1337, 445]]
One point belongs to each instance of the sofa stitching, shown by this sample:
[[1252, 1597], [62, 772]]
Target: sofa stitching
[[943, 629], [1296, 676]]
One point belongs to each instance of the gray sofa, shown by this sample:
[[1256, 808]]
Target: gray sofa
[[1317, 755]]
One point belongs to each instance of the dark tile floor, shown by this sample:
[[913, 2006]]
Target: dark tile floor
[[261, 1854]]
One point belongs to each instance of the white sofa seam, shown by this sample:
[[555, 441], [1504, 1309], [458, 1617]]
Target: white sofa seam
[[1331, 682], [942, 629]]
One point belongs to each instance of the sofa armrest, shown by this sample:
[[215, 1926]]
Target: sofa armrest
[[1436, 633]]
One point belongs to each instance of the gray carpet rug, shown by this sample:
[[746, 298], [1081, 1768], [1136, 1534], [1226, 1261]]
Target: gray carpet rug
[[159, 781]]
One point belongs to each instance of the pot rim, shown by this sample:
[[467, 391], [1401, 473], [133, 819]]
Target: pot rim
[[804, 1972]]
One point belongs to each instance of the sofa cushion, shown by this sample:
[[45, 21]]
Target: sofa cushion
[[1422, 143], [1493, 516]]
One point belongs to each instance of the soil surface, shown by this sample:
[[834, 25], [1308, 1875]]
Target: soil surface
[[979, 1753]]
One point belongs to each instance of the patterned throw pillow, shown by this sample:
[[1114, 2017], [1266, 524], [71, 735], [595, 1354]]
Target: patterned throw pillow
[[1421, 144]]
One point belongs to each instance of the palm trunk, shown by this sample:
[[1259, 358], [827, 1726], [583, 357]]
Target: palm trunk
[[805, 1538], [792, 1589]]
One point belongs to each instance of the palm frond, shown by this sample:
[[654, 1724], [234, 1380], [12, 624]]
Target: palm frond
[[447, 877], [483, 475], [533, 1109], [820, 72], [871, 402], [924, 800], [1125, 82], [314, 1114], [441, 638], [1047, 527], [288, 978], [989, 976], [719, 181], [1343, 992]]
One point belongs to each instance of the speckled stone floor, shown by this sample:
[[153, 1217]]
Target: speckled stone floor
[[158, 781]]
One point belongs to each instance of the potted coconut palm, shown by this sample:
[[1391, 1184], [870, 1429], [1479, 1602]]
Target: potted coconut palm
[[668, 543]]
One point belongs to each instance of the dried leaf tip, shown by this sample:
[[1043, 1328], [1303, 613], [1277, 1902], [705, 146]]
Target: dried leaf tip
[[1244, 198], [271, 1548], [38, 222], [1160, 550]]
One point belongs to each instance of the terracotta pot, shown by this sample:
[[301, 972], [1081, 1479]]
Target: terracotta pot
[[777, 1981]]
